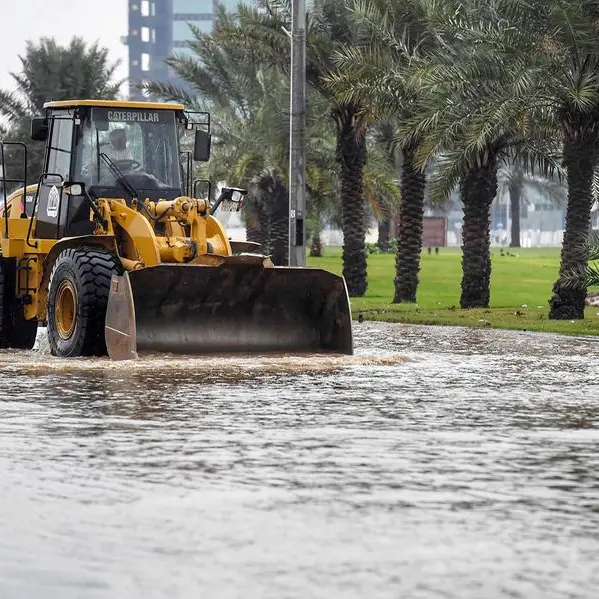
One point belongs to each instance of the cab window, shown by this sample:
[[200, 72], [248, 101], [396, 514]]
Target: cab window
[[59, 150], [140, 144]]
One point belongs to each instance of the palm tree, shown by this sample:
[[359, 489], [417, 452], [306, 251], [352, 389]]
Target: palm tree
[[518, 183], [329, 27], [53, 72], [381, 184], [322, 184], [376, 74], [470, 117], [514, 180], [570, 91], [248, 101], [552, 50], [321, 187], [249, 129], [271, 195], [384, 133]]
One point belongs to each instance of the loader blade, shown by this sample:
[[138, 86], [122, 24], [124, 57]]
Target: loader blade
[[235, 307]]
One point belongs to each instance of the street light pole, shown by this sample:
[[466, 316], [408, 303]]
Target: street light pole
[[297, 137]]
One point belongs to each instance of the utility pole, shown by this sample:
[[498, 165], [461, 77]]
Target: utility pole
[[297, 137]]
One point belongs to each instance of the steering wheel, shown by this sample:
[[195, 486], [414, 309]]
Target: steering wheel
[[127, 165]]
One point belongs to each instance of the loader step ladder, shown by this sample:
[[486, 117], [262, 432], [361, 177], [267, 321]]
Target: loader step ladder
[[25, 291]]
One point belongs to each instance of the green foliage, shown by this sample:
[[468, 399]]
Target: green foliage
[[329, 27], [504, 84], [521, 278], [586, 273], [53, 72], [476, 85], [458, 89], [373, 248], [239, 75], [520, 284]]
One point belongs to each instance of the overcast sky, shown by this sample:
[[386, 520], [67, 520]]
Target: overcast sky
[[102, 20]]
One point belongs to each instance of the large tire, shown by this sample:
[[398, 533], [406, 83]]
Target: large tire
[[15, 331], [77, 300]]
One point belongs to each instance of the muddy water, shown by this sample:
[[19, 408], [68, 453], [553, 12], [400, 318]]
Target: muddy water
[[436, 462]]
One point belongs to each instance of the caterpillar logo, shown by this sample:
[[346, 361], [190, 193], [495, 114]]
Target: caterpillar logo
[[134, 117]]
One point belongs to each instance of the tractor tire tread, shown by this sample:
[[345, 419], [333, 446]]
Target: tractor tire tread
[[95, 267]]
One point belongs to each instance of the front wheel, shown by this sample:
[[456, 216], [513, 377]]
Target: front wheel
[[77, 300]]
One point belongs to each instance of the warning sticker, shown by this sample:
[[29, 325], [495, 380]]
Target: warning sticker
[[53, 202]]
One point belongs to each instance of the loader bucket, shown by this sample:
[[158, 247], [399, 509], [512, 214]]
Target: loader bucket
[[234, 307]]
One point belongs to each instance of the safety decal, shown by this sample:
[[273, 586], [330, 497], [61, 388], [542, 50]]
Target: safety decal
[[53, 201]]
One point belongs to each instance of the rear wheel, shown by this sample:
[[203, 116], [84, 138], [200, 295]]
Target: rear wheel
[[77, 300], [15, 331]]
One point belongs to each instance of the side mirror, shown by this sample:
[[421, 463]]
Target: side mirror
[[74, 189], [39, 128], [230, 200], [202, 188], [201, 146]]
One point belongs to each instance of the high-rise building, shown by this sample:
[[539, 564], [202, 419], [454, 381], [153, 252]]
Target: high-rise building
[[159, 27]]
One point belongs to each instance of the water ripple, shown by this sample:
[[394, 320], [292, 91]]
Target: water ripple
[[436, 462]]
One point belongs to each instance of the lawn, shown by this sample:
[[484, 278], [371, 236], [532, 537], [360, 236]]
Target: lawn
[[521, 282]]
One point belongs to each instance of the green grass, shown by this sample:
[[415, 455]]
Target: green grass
[[520, 289]]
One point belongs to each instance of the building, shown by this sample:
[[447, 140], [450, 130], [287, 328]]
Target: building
[[156, 29]]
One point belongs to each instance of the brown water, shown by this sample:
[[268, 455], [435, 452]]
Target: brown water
[[436, 462]]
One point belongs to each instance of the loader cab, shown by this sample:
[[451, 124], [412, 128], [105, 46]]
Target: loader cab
[[141, 144], [116, 149]]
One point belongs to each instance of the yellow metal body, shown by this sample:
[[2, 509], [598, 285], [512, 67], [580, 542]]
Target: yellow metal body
[[144, 233], [123, 105]]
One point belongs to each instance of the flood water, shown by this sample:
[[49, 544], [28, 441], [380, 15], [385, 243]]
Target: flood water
[[436, 462]]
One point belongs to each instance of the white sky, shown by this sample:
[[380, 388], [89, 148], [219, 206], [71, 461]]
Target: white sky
[[101, 20]]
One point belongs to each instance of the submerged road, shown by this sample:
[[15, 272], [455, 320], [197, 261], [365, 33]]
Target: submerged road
[[436, 462]]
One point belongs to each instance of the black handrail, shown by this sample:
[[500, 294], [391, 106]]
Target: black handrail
[[37, 194], [188, 173], [22, 182]]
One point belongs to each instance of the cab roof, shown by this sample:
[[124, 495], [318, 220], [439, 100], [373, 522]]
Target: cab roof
[[114, 104]]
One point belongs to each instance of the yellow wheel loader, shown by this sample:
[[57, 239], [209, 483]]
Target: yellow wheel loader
[[115, 251]]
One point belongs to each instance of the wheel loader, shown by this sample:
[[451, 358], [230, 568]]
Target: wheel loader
[[117, 250]]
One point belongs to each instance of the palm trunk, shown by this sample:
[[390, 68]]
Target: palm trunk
[[384, 230], [567, 302], [257, 228], [316, 245], [314, 227], [279, 228], [351, 157], [409, 234], [515, 191], [478, 189]]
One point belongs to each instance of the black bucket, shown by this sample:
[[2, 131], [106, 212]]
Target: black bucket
[[198, 309]]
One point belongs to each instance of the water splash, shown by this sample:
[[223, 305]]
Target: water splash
[[40, 360]]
